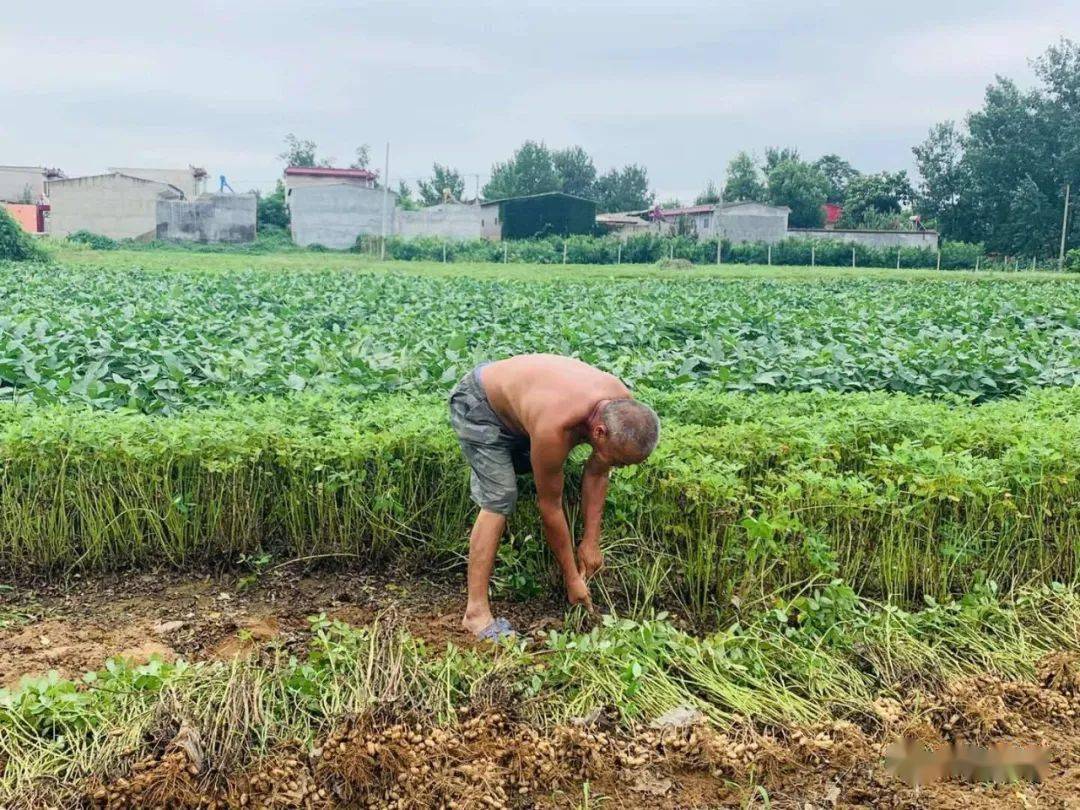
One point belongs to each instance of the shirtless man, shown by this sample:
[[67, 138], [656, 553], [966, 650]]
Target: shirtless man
[[527, 413]]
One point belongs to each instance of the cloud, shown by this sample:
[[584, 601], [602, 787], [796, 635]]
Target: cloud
[[678, 86]]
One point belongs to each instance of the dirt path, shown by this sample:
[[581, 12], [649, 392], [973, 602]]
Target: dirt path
[[74, 628]]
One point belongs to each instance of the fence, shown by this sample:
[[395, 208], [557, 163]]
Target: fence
[[650, 248]]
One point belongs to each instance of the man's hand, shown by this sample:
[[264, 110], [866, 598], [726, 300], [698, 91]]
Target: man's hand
[[590, 558], [577, 591]]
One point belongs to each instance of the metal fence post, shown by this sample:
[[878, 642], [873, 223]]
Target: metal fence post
[[770, 256], [939, 258], [853, 256], [719, 245], [444, 252], [813, 257], [618, 259], [898, 258]]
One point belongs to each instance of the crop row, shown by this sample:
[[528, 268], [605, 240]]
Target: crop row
[[745, 496], [160, 340]]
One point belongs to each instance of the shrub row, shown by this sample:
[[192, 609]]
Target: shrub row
[[898, 495], [650, 248]]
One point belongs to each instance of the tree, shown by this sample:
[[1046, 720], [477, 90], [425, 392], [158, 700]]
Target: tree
[[775, 155], [870, 196], [838, 173], [802, 188], [363, 157], [625, 189], [670, 203], [576, 170], [405, 198], [270, 208], [710, 196], [443, 180], [530, 170], [300, 152], [998, 179], [743, 182], [940, 198]]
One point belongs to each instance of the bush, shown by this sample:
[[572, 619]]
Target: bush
[[1072, 260], [15, 243], [93, 240]]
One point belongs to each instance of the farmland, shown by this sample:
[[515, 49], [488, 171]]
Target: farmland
[[863, 520], [157, 339]]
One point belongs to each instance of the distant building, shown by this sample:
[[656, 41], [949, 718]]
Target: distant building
[[333, 215], [191, 181], [833, 212], [115, 205], [626, 225], [211, 218], [449, 220], [734, 221], [26, 184], [301, 176], [28, 216], [551, 214]]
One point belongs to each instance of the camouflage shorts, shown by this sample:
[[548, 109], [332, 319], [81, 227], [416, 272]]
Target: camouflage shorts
[[494, 452]]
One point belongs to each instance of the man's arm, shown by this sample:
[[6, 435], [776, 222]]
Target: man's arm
[[594, 484], [548, 454]]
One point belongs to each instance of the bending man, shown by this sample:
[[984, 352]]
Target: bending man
[[525, 414]]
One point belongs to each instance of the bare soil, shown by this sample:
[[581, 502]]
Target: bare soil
[[491, 759]]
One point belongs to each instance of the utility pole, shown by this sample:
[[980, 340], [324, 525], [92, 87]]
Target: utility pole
[[385, 200], [1064, 229]]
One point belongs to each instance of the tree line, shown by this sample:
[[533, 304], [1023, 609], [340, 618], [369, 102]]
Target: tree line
[[997, 178]]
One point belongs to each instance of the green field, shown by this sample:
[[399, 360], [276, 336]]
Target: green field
[[866, 486], [160, 331]]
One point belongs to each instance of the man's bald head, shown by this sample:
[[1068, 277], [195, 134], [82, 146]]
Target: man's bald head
[[633, 427]]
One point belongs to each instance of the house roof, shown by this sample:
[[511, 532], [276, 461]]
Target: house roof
[[623, 219], [328, 171], [542, 194], [161, 183]]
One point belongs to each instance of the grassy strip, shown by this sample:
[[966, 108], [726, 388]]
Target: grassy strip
[[822, 656], [897, 495]]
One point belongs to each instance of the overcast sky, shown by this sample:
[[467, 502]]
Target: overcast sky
[[678, 86]]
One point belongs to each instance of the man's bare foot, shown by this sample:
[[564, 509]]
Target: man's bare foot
[[477, 621]]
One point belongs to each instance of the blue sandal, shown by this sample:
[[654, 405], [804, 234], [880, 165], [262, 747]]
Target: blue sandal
[[498, 630]]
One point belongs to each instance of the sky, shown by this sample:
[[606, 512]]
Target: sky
[[677, 86]]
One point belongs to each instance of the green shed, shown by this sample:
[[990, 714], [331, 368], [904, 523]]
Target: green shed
[[550, 214]]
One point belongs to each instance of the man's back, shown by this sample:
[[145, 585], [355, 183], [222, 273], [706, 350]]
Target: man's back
[[539, 392]]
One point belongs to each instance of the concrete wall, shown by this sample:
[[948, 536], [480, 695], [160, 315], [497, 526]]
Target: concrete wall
[[453, 221], [210, 218], [878, 239], [16, 181], [750, 223], [112, 205], [183, 179], [333, 216]]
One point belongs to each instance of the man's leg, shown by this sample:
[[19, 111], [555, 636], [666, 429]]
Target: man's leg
[[487, 531]]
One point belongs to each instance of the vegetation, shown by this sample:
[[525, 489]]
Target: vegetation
[[535, 169], [15, 243], [745, 496], [1000, 177], [866, 488], [821, 656], [118, 336]]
